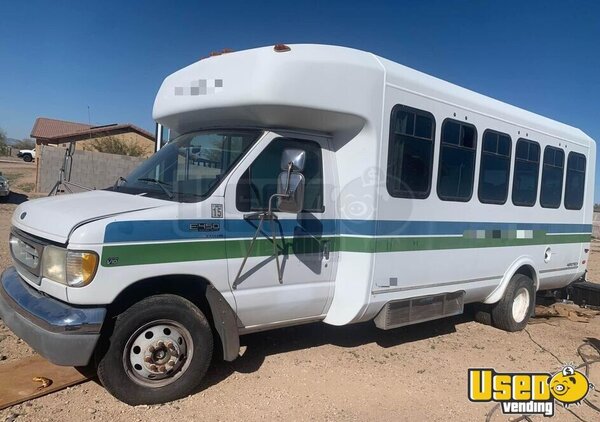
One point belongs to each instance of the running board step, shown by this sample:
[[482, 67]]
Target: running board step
[[403, 312]]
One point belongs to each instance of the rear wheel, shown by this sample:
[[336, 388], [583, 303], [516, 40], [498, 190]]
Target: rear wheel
[[159, 351], [513, 311]]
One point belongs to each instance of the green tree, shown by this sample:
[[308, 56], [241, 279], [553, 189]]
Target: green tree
[[3, 146], [25, 143]]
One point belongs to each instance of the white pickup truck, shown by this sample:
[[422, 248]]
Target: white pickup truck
[[27, 155]]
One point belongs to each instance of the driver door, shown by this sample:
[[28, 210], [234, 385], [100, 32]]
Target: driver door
[[304, 241]]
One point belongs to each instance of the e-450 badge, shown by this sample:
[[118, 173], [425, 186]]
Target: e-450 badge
[[205, 227]]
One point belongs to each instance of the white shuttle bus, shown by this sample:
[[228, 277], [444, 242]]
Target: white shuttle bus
[[309, 183]]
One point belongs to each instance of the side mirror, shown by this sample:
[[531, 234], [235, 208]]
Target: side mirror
[[294, 158], [291, 188], [290, 183]]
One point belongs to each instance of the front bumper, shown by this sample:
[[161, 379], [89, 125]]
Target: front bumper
[[4, 192], [62, 333]]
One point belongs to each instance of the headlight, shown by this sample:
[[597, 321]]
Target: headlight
[[73, 268], [54, 264]]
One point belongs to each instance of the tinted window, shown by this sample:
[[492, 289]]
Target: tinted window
[[457, 161], [552, 177], [495, 168], [410, 153], [575, 184], [259, 182], [525, 180]]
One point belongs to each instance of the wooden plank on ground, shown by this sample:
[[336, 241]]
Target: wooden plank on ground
[[17, 384]]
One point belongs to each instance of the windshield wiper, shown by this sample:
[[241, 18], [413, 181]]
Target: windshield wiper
[[159, 183]]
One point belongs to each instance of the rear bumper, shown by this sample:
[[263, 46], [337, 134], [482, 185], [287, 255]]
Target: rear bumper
[[62, 333]]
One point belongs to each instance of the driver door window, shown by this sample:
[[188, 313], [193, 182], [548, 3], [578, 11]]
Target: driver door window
[[259, 182]]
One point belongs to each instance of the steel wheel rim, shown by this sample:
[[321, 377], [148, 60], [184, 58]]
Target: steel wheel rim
[[158, 353], [520, 305]]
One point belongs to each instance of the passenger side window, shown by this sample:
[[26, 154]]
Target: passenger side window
[[575, 185], [410, 154], [494, 171], [552, 177], [457, 161], [259, 182], [527, 165]]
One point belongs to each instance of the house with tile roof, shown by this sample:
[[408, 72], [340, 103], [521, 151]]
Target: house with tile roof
[[50, 133], [55, 132]]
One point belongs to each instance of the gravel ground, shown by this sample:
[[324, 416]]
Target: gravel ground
[[320, 372]]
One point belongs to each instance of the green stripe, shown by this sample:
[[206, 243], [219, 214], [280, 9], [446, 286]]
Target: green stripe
[[404, 244], [156, 253]]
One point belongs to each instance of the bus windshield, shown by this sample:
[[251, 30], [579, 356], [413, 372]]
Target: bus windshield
[[190, 166]]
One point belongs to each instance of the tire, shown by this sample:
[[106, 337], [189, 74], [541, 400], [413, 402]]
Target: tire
[[27, 158], [168, 364], [483, 316], [513, 311]]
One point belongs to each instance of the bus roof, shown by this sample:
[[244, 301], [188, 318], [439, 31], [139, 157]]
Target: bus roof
[[314, 87]]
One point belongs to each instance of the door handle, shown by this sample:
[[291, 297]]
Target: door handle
[[326, 249]]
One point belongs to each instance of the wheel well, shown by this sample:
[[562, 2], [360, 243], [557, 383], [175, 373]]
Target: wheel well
[[527, 270], [192, 288], [197, 290]]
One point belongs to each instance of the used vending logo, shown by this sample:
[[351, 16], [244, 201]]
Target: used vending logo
[[529, 393]]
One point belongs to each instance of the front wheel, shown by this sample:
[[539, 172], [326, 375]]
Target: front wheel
[[27, 158], [513, 311], [159, 351]]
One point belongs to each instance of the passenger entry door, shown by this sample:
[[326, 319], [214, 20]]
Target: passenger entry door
[[303, 241]]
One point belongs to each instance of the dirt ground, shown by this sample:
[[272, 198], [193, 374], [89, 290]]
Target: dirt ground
[[320, 372]]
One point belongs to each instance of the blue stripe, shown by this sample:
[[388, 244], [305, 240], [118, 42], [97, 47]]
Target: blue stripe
[[299, 227], [162, 230], [435, 228], [155, 230]]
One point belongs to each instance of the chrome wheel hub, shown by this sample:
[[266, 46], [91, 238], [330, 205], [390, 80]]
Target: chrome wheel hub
[[157, 353]]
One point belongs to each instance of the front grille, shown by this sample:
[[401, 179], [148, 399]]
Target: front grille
[[26, 252]]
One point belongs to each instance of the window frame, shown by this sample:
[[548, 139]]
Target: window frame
[[388, 179], [461, 123], [562, 186], [510, 143], [537, 179], [248, 171], [584, 180]]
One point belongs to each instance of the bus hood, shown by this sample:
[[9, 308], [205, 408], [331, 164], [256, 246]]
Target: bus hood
[[55, 217]]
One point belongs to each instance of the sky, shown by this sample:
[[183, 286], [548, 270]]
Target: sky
[[59, 59]]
